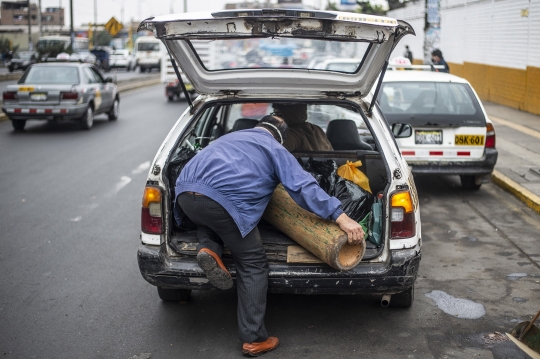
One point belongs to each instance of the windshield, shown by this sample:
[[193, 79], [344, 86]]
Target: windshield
[[148, 46], [280, 53], [23, 55], [51, 75], [430, 103]]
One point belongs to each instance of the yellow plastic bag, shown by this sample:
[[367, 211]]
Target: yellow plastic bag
[[350, 171]]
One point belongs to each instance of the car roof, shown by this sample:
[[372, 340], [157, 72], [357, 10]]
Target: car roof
[[421, 76], [62, 63]]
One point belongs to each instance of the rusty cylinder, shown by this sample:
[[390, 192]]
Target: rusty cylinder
[[321, 237]]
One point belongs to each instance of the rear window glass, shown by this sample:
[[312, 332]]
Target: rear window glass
[[148, 46], [430, 103], [280, 53], [51, 75]]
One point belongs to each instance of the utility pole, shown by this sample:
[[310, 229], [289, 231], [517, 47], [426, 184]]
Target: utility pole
[[30, 47], [40, 27], [185, 5], [71, 32], [95, 24]]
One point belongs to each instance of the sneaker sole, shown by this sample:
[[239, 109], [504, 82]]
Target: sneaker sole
[[216, 276]]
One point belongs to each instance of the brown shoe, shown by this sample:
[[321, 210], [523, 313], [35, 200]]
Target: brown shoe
[[255, 349], [214, 269]]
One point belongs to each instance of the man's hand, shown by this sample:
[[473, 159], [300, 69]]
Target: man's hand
[[354, 231]]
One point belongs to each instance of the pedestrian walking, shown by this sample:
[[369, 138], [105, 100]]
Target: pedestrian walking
[[224, 189], [408, 54]]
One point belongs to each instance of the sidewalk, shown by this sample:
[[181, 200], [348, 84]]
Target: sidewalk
[[518, 143]]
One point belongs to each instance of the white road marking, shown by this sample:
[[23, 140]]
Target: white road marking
[[142, 167], [124, 181]]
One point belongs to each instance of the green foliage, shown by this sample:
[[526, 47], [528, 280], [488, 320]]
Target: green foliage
[[5, 46], [103, 38], [365, 7], [331, 6]]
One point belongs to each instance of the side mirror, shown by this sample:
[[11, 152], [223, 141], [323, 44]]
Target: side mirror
[[401, 130], [108, 79]]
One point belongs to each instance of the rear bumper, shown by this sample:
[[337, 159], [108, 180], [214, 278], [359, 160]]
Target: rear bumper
[[44, 112], [482, 166], [395, 276]]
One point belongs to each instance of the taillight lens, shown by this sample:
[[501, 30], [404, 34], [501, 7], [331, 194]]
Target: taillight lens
[[490, 136], [403, 223], [10, 95], [173, 83], [151, 215], [69, 95]]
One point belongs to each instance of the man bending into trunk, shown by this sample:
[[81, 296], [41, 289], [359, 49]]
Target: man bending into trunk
[[224, 190]]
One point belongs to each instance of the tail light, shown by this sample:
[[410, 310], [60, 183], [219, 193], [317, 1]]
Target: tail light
[[403, 223], [151, 215], [490, 136], [69, 95], [173, 83], [10, 95]]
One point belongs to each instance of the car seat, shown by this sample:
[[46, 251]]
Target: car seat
[[244, 124], [343, 135]]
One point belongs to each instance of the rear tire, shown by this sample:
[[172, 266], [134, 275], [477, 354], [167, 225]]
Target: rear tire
[[174, 295], [170, 98], [18, 125], [469, 183], [114, 113], [87, 120], [404, 299]]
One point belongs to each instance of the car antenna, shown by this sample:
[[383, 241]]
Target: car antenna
[[186, 94], [370, 110]]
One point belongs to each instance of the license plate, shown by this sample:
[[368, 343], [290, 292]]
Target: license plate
[[38, 97], [189, 87], [26, 89], [469, 140], [428, 137]]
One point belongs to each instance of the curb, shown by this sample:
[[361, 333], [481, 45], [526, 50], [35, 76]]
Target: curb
[[523, 194], [121, 88]]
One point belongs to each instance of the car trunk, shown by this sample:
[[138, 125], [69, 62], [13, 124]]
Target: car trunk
[[279, 247]]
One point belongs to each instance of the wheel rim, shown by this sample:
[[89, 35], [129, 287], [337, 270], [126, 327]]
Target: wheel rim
[[116, 109], [89, 117]]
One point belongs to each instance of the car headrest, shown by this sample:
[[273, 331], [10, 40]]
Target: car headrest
[[343, 135], [244, 124]]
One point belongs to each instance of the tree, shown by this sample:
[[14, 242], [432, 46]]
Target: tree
[[103, 38], [365, 7], [331, 6]]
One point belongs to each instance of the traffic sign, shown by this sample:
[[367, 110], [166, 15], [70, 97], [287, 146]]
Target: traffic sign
[[113, 26]]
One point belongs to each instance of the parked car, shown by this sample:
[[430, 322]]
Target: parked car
[[122, 59], [452, 134], [22, 60], [61, 91], [167, 253]]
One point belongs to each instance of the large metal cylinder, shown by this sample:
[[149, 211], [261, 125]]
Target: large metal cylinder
[[321, 237]]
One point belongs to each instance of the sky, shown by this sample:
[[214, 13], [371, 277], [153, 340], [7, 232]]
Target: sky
[[83, 10]]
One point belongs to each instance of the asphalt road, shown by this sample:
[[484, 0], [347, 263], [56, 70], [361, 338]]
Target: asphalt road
[[71, 287]]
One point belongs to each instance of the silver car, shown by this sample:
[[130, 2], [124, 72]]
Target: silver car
[[61, 91]]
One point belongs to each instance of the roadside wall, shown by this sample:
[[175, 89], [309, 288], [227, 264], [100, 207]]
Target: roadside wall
[[491, 43]]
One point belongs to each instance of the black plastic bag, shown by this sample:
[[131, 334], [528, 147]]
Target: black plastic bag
[[355, 201]]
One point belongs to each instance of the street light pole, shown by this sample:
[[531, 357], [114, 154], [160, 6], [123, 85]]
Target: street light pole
[[71, 32], [95, 23], [39, 18], [185, 5], [30, 47]]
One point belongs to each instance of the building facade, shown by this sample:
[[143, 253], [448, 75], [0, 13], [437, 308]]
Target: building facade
[[491, 43], [16, 13]]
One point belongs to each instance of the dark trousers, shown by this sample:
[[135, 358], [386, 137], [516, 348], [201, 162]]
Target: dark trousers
[[216, 227]]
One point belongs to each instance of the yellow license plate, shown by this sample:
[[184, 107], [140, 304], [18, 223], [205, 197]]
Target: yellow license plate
[[189, 87], [469, 140], [26, 89]]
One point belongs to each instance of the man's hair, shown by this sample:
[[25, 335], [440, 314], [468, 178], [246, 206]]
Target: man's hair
[[294, 114], [437, 52], [274, 125]]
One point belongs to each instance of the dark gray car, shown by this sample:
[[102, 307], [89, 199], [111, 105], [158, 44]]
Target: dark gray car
[[61, 91]]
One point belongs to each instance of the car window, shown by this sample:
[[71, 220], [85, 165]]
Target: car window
[[342, 67], [51, 75], [430, 103], [89, 75], [148, 46], [97, 75]]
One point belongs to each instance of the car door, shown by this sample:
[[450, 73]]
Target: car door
[[104, 90]]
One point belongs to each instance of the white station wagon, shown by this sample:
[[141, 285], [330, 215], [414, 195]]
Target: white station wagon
[[238, 92]]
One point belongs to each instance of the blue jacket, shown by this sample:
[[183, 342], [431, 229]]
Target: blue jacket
[[241, 170]]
